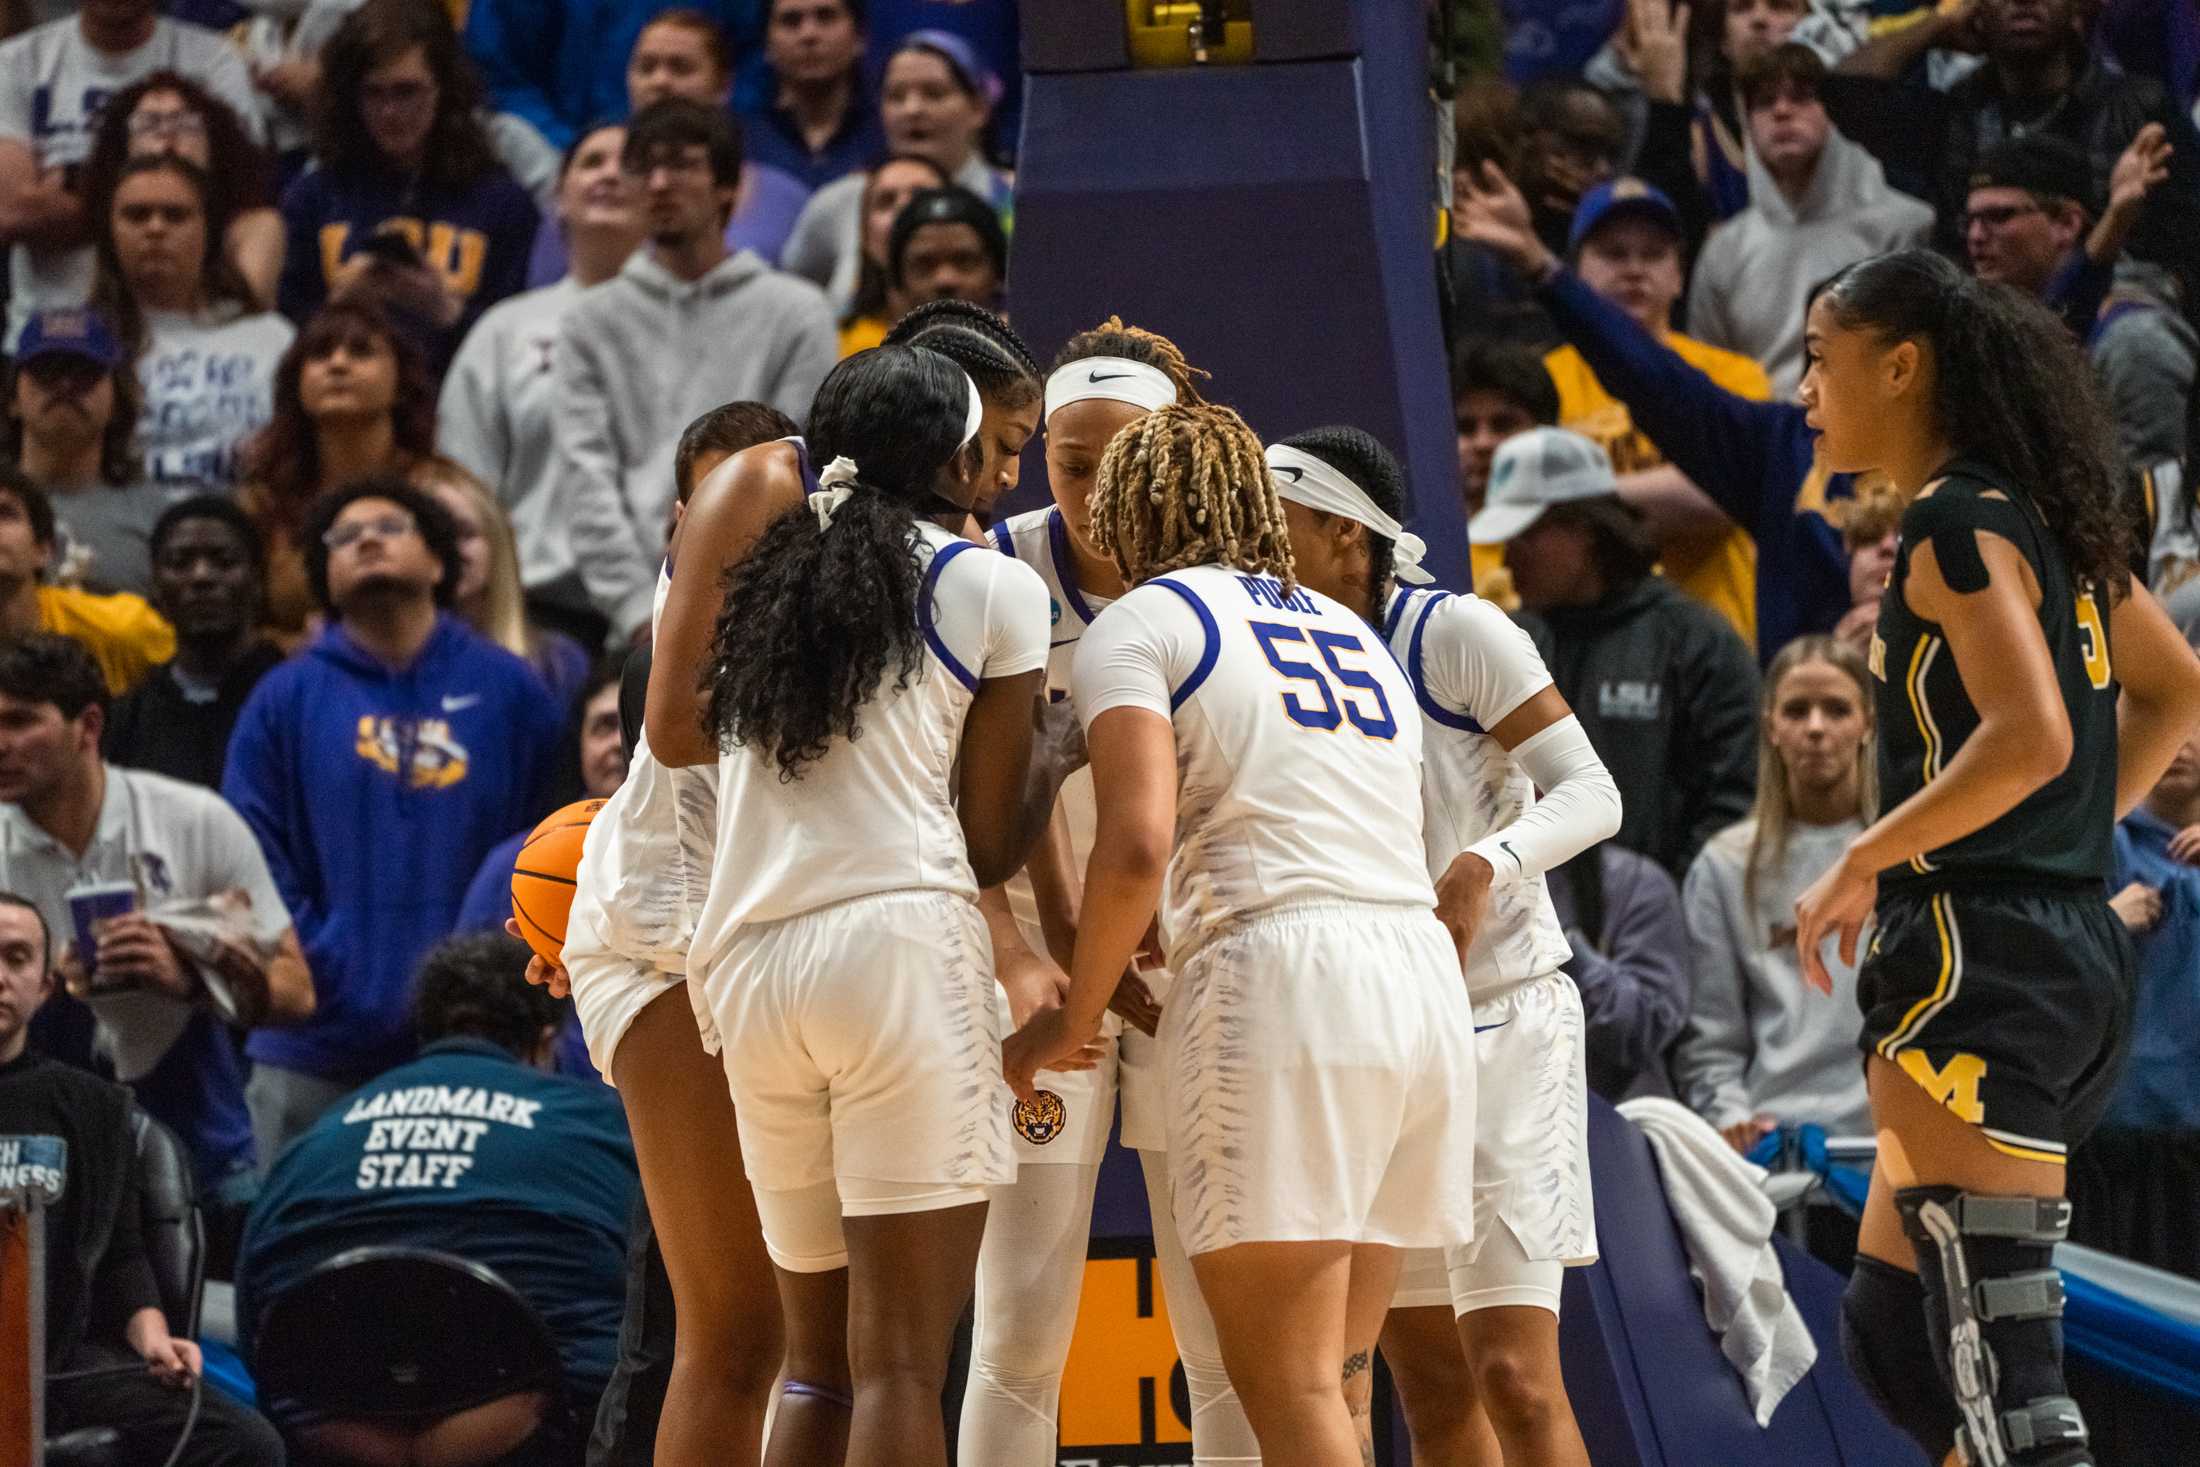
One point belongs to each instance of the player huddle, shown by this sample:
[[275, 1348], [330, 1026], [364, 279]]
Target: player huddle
[[1184, 789], [1187, 791]]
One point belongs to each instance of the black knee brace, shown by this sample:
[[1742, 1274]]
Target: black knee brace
[[1994, 1303], [1891, 1354]]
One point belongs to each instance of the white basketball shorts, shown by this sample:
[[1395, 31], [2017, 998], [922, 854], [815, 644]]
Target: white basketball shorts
[[862, 1042], [1320, 1081], [1533, 1212], [610, 989]]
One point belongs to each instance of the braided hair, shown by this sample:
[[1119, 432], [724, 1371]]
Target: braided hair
[[1111, 338], [978, 341], [1359, 457], [1186, 485]]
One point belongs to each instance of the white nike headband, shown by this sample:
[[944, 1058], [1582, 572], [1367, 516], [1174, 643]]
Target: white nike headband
[[1305, 479], [973, 415], [1118, 379]]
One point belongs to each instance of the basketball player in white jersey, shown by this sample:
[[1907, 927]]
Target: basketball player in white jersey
[[1031, 1274], [1494, 732], [643, 874], [1318, 1045], [871, 679]]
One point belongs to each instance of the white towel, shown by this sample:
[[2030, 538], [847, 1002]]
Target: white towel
[[1726, 1221]]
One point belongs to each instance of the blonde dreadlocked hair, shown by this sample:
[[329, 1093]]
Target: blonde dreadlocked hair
[[1186, 485], [1111, 338]]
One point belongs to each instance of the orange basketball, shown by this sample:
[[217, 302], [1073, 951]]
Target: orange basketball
[[542, 877]]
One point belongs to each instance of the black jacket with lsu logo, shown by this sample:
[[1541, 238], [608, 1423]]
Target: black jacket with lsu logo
[[1668, 695]]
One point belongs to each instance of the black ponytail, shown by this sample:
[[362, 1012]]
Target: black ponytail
[[814, 620], [2012, 389], [979, 342], [1359, 457]]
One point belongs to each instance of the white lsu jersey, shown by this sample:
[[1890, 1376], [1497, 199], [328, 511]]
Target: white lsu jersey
[[1469, 666], [1040, 539], [1298, 755], [645, 865], [876, 813]]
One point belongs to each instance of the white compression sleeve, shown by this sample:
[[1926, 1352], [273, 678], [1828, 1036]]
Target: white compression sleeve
[[1580, 805], [1031, 1273]]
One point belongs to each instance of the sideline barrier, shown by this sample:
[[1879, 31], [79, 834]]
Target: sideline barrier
[[1644, 1371]]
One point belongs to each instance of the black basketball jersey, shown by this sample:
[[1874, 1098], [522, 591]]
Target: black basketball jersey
[[2063, 831]]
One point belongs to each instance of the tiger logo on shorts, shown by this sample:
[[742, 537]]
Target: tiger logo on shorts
[[1040, 1121]]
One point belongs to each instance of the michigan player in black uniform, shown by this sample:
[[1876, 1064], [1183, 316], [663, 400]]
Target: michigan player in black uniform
[[2029, 693]]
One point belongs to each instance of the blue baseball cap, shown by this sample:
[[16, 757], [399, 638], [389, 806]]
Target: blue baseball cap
[[1620, 197], [76, 332]]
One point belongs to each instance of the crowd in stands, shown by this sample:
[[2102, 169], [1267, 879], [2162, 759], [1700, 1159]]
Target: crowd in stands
[[348, 349]]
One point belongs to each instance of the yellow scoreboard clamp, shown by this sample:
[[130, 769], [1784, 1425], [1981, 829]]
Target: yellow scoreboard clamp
[[1178, 32]]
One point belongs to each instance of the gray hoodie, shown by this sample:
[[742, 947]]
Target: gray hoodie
[[2145, 352], [1760, 1041], [640, 357], [1756, 269]]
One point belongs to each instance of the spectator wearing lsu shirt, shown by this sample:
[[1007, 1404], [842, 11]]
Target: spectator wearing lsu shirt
[[205, 354], [377, 768], [497, 415], [409, 200], [1662, 685], [470, 1149], [598, 751], [72, 430], [1626, 241], [125, 636], [54, 81]]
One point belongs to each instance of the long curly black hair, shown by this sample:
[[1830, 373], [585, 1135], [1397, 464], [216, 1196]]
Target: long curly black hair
[[1355, 453], [816, 620], [2011, 388]]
